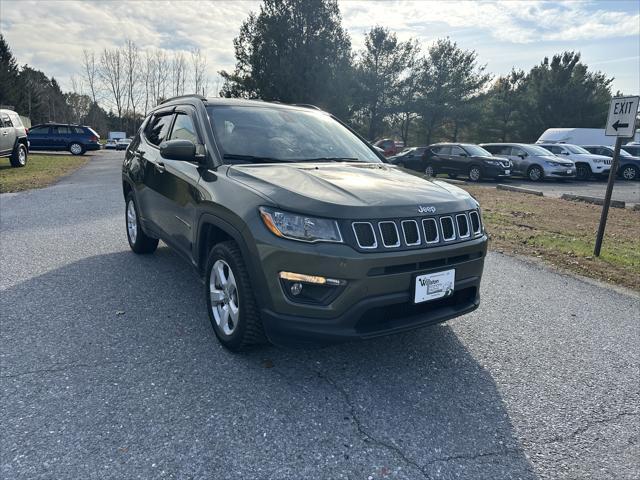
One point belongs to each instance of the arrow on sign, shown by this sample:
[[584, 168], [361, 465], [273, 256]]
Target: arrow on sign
[[618, 125]]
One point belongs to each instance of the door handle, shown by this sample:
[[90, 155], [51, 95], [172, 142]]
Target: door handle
[[160, 167]]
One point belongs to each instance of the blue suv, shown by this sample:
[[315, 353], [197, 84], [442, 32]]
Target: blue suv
[[58, 136]]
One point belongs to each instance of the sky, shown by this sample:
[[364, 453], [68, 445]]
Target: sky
[[50, 35]]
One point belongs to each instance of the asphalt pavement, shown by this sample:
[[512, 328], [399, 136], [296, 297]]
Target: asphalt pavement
[[110, 369]]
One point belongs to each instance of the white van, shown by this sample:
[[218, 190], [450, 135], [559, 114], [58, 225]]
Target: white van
[[579, 136]]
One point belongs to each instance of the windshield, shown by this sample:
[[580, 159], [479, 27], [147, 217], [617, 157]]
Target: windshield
[[574, 148], [248, 134], [476, 150], [539, 151]]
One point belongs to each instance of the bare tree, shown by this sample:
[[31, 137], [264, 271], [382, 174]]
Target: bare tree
[[162, 67], [200, 79], [149, 76], [90, 73], [112, 73], [131, 60], [178, 74]]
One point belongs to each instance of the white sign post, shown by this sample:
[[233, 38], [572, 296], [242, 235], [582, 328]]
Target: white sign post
[[621, 123]]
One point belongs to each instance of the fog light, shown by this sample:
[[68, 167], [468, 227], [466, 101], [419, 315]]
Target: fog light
[[296, 288]]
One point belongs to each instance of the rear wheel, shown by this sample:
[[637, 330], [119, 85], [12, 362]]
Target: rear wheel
[[139, 241], [232, 309], [535, 173], [429, 171], [629, 172], [76, 148], [19, 156], [583, 172], [475, 173]]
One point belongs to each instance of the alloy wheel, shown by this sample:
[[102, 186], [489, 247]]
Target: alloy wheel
[[225, 303], [629, 173], [76, 149], [428, 171], [132, 222], [474, 174], [22, 156], [535, 174]]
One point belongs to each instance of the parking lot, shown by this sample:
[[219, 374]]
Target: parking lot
[[625, 191], [110, 369]]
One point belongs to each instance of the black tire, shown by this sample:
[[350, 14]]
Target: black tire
[[430, 170], [535, 173], [76, 148], [583, 171], [142, 243], [629, 172], [19, 156], [248, 330], [453, 176], [475, 173]]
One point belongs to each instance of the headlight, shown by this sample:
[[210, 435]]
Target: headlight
[[300, 227], [552, 164], [492, 162], [598, 160]]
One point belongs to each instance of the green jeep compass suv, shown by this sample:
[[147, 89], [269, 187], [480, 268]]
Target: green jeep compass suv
[[303, 234]]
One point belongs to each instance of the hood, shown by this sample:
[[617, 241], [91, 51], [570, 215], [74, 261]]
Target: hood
[[592, 156], [350, 190], [556, 158]]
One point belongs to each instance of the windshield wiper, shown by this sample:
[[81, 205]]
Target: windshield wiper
[[329, 159], [252, 158]]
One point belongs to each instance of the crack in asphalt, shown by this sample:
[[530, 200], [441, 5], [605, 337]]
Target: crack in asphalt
[[366, 436], [584, 428]]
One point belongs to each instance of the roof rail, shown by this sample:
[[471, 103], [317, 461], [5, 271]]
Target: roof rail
[[306, 105], [192, 95]]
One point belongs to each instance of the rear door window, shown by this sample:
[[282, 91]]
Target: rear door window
[[62, 130]]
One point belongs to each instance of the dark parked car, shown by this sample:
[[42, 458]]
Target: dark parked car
[[464, 159], [56, 136], [13, 138], [628, 164], [409, 158], [300, 231], [632, 149]]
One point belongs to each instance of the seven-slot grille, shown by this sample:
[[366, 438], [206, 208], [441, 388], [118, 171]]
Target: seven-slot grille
[[428, 231]]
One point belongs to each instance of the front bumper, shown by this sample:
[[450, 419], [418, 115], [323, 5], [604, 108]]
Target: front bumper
[[564, 172], [378, 297], [495, 171]]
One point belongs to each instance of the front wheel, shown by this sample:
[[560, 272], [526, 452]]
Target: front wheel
[[475, 174], [19, 156], [76, 148], [232, 309], [583, 172], [535, 173], [630, 173], [139, 241]]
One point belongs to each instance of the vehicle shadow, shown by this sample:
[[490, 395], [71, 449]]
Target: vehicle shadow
[[416, 405]]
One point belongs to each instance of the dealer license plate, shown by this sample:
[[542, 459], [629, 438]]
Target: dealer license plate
[[507, 172], [432, 286]]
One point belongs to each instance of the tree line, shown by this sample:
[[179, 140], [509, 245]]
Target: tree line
[[113, 90], [296, 51]]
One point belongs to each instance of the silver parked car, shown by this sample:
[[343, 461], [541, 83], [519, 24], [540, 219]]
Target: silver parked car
[[532, 161]]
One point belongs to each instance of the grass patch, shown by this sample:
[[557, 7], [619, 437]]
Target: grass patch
[[563, 233], [40, 171]]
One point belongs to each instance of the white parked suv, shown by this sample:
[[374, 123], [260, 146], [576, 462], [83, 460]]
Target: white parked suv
[[587, 164]]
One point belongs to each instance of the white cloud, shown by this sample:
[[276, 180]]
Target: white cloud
[[50, 35]]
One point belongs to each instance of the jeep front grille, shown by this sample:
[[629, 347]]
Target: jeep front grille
[[417, 232], [365, 236]]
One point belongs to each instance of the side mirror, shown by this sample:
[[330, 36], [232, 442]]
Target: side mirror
[[463, 155], [182, 150], [522, 156]]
